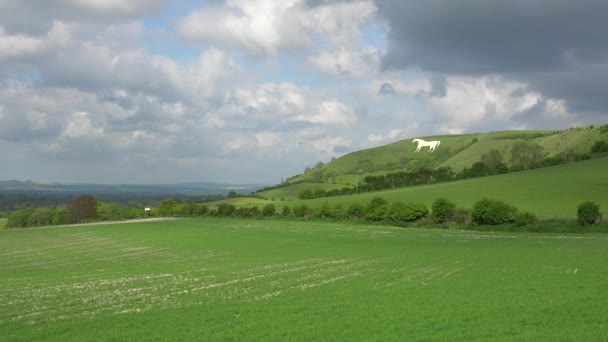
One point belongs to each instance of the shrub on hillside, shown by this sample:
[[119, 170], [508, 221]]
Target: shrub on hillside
[[20, 218], [599, 147], [377, 209], [525, 218], [325, 210], [462, 216], [493, 212], [443, 210], [226, 209], [415, 211], [286, 211], [397, 212], [356, 211], [269, 209], [377, 213], [247, 211], [301, 211], [41, 217], [60, 216], [587, 213]]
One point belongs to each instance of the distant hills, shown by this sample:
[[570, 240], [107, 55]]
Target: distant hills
[[193, 188]]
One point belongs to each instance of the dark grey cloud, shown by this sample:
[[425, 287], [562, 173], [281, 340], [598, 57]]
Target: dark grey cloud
[[558, 47], [37, 16]]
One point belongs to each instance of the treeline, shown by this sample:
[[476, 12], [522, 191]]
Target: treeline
[[12, 201], [87, 209], [484, 213]]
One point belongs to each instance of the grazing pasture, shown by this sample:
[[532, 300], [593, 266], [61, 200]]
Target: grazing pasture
[[235, 279]]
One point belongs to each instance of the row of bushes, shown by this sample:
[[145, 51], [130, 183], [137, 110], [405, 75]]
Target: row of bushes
[[484, 212], [488, 212]]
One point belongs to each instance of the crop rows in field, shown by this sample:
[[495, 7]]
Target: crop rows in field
[[207, 279]]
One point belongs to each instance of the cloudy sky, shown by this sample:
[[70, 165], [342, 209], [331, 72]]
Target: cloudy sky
[[160, 91]]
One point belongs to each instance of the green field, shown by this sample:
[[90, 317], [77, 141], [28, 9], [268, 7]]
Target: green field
[[233, 279], [552, 192]]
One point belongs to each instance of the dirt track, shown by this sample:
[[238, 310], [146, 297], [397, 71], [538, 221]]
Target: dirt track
[[151, 219]]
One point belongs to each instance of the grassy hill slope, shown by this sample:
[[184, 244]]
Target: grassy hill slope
[[455, 151], [547, 192]]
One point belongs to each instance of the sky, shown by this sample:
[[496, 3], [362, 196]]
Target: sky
[[254, 91]]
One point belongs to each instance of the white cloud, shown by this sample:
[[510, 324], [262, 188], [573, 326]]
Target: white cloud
[[18, 45], [266, 27], [81, 125]]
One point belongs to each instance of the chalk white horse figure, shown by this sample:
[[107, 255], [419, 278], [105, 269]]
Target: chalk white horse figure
[[431, 144]]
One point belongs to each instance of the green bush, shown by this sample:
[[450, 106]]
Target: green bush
[[599, 147], [462, 216], [377, 209], [415, 211], [524, 218], [226, 209], [377, 213], [269, 209], [587, 213], [20, 218], [324, 210], [286, 211], [247, 211], [356, 211], [397, 212], [443, 210], [301, 211], [493, 212]]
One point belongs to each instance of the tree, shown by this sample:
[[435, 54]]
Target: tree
[[83, 209], [494, 161], [526, 155]]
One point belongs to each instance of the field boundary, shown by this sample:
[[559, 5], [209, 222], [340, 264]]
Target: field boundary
[[151, 219]]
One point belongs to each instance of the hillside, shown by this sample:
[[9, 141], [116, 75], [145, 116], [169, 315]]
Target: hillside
[[551, 192], [455, 151]]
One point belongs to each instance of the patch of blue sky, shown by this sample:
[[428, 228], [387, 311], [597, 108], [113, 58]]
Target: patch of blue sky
[[375, 35], [160, 34]]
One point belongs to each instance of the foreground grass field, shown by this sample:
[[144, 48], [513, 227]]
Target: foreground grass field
[[232, 279], [552, 192]]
